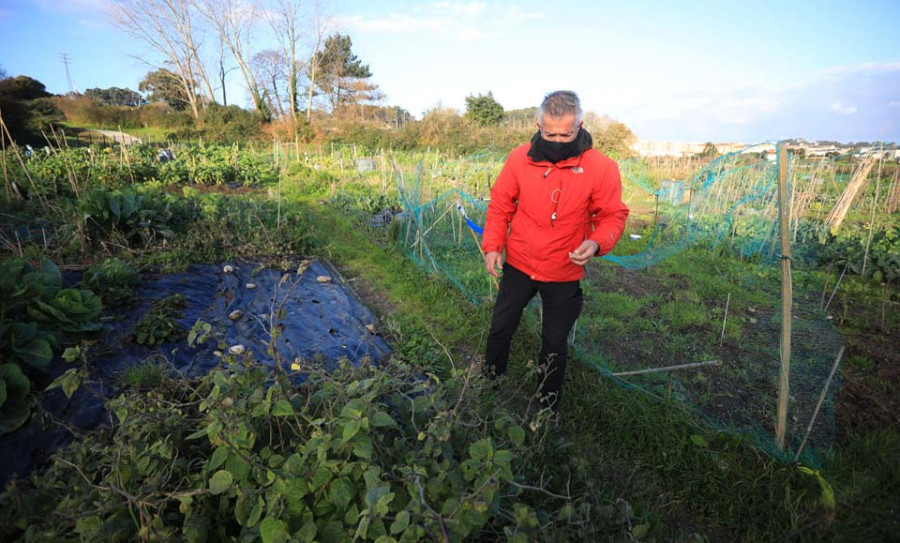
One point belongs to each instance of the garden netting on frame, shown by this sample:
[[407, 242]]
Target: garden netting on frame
[[695, 278]]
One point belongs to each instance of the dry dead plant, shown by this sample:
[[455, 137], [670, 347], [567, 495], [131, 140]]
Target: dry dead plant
[[857, 185]]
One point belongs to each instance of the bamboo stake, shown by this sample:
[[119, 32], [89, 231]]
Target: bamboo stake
[[872, 219], [841, 278], [15, 148], [724, 319], [786, 298], [714, 363], [812, 419]]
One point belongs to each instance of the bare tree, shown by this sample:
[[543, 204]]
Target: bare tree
[[269, 67], [321, 26], [169, 28], [234, 20], [285, 18]]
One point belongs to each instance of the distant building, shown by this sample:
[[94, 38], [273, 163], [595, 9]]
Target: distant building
[[679, 149]]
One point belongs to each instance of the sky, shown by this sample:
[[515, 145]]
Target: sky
[[678, 70]]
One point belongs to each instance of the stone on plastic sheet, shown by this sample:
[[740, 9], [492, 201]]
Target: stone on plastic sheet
[[315, 324]]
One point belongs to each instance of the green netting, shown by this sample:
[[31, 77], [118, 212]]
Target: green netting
[[695, 278]]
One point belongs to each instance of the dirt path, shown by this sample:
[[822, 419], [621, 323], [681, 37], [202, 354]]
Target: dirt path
[[120, 137]]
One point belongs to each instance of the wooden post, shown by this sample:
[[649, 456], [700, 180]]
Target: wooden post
[[784, 207]]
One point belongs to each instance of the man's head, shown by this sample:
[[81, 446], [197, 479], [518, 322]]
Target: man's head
[[559, 116]]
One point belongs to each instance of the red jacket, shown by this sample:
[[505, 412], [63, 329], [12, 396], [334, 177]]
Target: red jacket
[[540, 212]]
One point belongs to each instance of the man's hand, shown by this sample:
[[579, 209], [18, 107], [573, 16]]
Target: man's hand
[[493, 263], [584, 252]]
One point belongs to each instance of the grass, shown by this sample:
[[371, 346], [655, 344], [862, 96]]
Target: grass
[[680, 476], [147, 374]]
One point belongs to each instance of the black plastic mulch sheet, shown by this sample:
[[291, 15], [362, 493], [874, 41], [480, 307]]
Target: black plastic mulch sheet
[[319, 317]]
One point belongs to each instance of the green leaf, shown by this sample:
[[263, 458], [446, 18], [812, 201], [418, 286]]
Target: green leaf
[[199, 433], [85, 526], [382, 419], [271, 530], [50, 274], [320, 478], [640, 531], [15, 408], [516, 435], [340, 492], [351, 428], [71, 354], [242, 508], [481, 449], [218, 458], [401, 522], [220, 482], [114, 205], [237, 467], [283, 408], [699, 440], [353, 410], [36, 353], [71, 382], [256, 513], [308, 531], [362, 447]]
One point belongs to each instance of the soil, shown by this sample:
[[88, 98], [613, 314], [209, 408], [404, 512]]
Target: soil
[[867, 399], [864, 390]]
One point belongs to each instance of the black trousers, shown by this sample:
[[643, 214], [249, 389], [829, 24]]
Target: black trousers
[[562, 304]]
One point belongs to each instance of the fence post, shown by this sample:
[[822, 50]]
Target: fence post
[[784, 214]]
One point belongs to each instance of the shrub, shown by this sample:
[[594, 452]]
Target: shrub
[[229, 123], [368, 453], [114, 280]]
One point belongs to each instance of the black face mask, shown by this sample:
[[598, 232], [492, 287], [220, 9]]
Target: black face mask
[[557, 151]]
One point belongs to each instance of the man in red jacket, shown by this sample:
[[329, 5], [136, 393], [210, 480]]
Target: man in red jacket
[[556, 204]]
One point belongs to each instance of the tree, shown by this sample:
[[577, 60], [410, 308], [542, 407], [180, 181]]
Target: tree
[[340, 69], [164, 86], [322, 24], [269, 66], [114, 96], [170, 28], [614, 138], [3, 74], [25, 107], [709, 151], [484, 110], [520, 119], [233, 21], [284, 18]]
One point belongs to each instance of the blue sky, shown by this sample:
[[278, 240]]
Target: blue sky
[[678, 70]]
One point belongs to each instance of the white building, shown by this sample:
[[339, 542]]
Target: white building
[[679, 149]]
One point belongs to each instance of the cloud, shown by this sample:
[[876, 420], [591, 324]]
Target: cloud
[[89, 14], [845, 103], [838, 107], [463, 21], [81, 7], [461, 9]]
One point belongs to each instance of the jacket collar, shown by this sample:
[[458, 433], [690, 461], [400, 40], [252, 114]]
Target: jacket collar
[[584, 140]]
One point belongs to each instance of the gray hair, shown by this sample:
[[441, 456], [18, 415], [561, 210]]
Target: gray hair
[[558, 104]]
